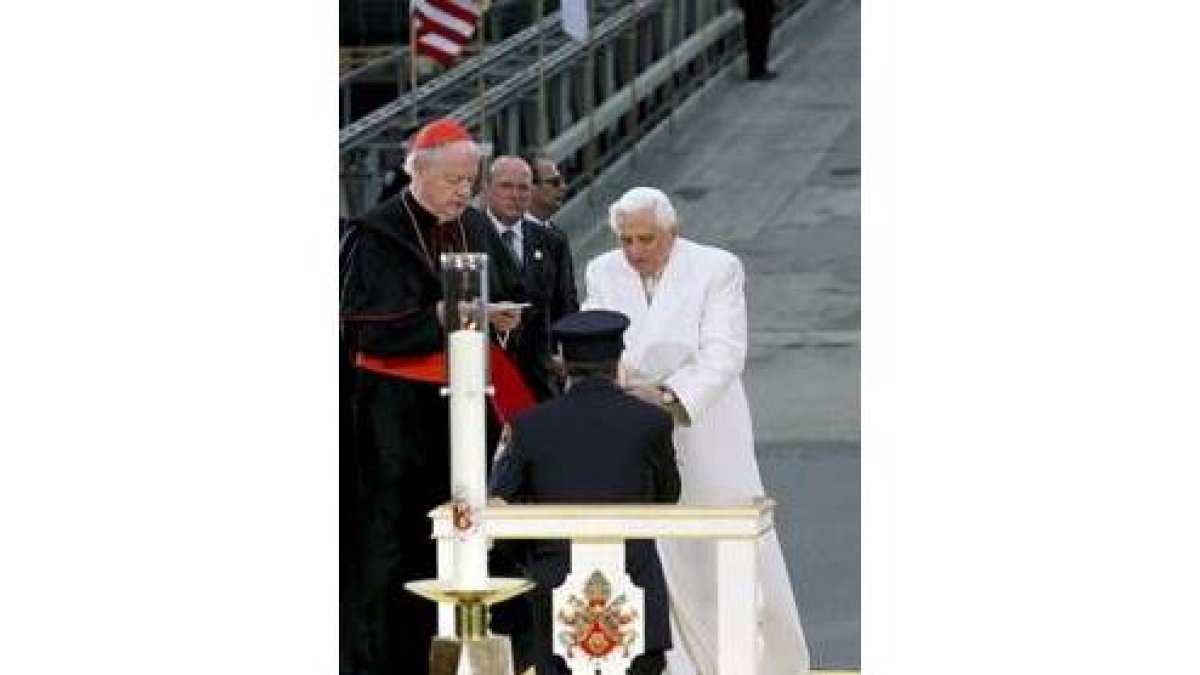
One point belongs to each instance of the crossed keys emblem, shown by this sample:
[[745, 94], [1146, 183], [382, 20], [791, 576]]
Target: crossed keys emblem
[[594, 624]]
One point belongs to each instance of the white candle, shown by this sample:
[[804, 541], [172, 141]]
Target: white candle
[[468, 473]]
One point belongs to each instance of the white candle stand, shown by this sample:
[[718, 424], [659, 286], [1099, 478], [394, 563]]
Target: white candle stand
[[473, 650]]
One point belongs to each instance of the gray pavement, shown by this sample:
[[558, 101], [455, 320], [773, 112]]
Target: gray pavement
[[770, 171]]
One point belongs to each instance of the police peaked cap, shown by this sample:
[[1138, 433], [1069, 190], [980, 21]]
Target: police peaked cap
[[591, 336]]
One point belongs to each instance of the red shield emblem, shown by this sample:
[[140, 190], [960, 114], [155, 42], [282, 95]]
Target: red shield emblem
[[595, 623]]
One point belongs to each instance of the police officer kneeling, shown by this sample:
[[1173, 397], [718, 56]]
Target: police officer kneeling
[[592, 444]]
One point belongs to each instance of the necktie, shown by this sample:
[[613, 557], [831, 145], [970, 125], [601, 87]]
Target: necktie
[[510, 240]]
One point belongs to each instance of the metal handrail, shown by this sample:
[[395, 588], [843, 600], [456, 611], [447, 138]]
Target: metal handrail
[[348, 78], [619, 102], [361, 130], [676, 46], [559, 59]]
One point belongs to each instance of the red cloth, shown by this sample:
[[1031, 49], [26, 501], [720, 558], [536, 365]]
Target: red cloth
[[511, 395]]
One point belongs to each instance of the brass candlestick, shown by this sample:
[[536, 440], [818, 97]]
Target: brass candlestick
[[483, 653]]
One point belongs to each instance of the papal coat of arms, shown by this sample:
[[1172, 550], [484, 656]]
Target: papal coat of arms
[[597, 624]]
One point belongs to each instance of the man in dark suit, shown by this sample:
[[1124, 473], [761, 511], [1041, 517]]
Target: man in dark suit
[[553, 454], [534, 263], [549, 188]]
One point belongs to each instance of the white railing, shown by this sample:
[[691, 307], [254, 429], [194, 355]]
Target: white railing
[[598, 532]]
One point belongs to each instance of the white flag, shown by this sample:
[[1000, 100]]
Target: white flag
[[575, 19]]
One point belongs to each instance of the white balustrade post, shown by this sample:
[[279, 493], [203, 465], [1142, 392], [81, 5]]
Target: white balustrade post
[[606, 557], [737, 606]]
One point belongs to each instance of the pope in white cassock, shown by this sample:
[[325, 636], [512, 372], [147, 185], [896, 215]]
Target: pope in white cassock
[[685, 349]]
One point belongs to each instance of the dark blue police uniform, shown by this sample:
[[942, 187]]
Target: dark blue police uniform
[[593, 444]]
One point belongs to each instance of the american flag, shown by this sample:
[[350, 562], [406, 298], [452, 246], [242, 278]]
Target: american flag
[[443, 27]]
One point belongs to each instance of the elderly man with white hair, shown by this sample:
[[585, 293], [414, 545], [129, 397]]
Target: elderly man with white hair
[[685, 349], [393, 326]]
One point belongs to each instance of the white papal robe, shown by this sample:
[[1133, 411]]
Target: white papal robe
[[692, 338]]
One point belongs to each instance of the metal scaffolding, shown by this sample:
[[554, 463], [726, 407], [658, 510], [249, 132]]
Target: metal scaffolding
[[582, 103]]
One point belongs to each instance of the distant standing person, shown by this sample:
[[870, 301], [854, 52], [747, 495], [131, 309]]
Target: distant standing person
[[756, 24], [554, 455], [685, 350], [549, 186]]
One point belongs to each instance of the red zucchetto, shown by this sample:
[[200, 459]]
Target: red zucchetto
[[442, 131]]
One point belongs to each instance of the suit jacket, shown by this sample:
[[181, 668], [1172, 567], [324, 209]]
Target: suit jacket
[[554, 455], [546, 280]]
